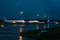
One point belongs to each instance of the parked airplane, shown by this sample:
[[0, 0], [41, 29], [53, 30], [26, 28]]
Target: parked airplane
[[13, 21]]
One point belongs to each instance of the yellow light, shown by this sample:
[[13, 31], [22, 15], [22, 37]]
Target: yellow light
[[2, 25], [20, 37], [21, 29]]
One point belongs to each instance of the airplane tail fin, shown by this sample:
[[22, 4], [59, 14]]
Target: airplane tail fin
[[4, 19]]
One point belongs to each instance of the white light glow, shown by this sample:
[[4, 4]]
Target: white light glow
[[20, 37], [2, 25], [14, 22], [21, 12], [57, 22], [35, 21], [22, 21], [48, 20]]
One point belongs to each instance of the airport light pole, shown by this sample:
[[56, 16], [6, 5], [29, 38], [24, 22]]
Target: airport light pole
[[21, 13], [37, 27], [45, 17], [38, 16]]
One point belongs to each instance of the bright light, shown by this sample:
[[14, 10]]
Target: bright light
[[22, 21], [57, 22], [14, 22], [48, 20], [21, 12], [2, 25], [34, 21], [20, 37]]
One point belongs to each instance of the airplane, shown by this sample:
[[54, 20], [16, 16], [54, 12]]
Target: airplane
[[21, 21], [33, 21], [13, 21]]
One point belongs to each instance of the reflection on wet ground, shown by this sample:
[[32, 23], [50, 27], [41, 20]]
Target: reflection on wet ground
[[30, 32]]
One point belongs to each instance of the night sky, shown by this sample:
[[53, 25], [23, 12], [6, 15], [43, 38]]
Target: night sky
[[30, 8]]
